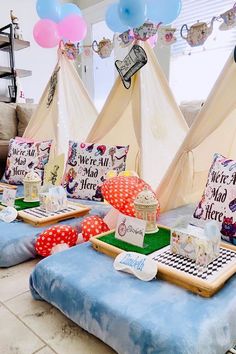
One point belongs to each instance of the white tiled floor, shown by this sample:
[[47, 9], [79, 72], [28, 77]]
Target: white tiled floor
[[28, 326]]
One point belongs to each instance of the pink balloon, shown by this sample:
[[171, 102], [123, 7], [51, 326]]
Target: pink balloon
[[73, 28], [46, 33], [152, 41]]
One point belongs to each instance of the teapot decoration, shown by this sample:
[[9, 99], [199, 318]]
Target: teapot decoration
[[198, 33], [145, 31], [103, 48], [229, 18]]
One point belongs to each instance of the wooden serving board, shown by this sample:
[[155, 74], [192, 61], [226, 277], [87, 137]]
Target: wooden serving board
[[39, 217], [6, 185], [182, 271]]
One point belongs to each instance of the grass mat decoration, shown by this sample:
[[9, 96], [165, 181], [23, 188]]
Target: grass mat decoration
[[21, 205], [152, 242]]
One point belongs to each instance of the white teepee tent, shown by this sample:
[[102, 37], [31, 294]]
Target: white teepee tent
[[214, 130], [65, 110], [145, 117]]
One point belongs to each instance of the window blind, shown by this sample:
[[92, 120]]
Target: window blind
[[204, 10]]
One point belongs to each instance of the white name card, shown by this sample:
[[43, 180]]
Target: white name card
[[130, 230]]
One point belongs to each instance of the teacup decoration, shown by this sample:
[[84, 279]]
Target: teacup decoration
[[145, 31], [125, 39], [32, 183], [229, 18], [103, 48], [198, 33], [166, 35]]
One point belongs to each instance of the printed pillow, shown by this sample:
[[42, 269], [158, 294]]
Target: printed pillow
[[25, 155], [87, 166], [219, 198]]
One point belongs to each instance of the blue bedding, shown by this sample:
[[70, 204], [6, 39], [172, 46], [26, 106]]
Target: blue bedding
[[131, 316], [17, 239]]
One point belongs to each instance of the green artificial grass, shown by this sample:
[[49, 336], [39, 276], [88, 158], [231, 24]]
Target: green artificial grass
[[152, 242], [21, 205]]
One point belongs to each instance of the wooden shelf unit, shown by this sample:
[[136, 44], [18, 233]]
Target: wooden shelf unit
[[18, 43], [10, 44]]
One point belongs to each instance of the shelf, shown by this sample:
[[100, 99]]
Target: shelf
[[18, 43], [5, 72], [5, 99]]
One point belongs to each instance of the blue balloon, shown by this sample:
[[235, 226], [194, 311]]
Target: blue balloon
[[49, 9], [132, 12], [69, 9], [113, 20], [165, 11]]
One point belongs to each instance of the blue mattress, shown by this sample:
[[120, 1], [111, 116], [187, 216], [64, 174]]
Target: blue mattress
[[17, 239], [131, 316]]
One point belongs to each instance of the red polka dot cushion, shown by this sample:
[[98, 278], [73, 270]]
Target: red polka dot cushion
[[53, 236], [92, 226], [121, 192]]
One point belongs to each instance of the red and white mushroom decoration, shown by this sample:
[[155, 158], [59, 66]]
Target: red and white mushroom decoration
[[92, 226], [49, 240]]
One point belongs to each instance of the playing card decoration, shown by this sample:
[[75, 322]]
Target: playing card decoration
[[134, 61], [92, 226], [121, 192], [54, 236]]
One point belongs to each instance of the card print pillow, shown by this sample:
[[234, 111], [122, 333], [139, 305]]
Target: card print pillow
[[87, 166], [219, 198], [25, 155]]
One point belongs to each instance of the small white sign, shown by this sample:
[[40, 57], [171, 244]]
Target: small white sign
[[143, 267], [130, 230], [8, 197]]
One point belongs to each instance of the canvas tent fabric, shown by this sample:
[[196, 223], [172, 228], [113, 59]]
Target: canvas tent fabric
[[65, 111], [145, 117], [214, 130]]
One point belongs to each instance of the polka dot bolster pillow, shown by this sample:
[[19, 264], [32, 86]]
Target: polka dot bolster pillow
[[121, 192], [219, 198], [25, 155], [87, 166], [49, 240]]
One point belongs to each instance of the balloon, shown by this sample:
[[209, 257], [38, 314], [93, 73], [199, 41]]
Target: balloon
[[152, 41], [132, 13], [49, 9], [165, 11], [69, 9], [46, 33], [73, 27], [113, 20]]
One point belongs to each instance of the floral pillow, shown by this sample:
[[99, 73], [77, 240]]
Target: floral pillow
[[87, 166], [219, 198], [25, 155]]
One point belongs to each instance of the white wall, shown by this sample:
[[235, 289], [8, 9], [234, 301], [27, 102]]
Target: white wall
[[40, 61], [86, 3]]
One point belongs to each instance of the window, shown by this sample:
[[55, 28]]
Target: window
[[193, 71], [103, 69]]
